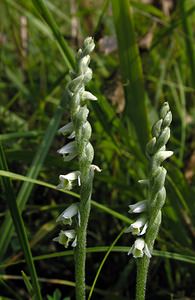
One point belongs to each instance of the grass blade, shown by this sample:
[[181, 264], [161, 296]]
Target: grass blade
[[6, 230], [119, 249], [103, 261], [131, 69], [42, 183], [43, 10], [189, 39], [19, 226]]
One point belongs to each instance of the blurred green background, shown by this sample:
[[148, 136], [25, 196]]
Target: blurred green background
[[144, 56]]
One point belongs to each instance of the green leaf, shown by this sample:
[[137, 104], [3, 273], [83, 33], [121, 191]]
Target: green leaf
[[6, 229], [19, 226], [42, 183], [131, 69]]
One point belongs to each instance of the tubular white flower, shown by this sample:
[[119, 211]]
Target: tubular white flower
[[138, 227], [66, 216], [67, 129], [66, 181], [139, 248], [85, 95], [69, 151], [138, 207], [65, 237]]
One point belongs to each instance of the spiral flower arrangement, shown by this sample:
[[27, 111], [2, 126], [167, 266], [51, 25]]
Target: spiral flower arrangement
[[79, 131], [146, 227]]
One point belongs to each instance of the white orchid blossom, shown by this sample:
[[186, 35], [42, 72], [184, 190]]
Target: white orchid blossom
[[138, 207], [66, 181], [69, 151], [138, 227], [139, 248], [67, 129], [65, 237], [66, 216]]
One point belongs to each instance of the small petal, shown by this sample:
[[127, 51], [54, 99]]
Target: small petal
[[67, 214], [138, 207], [88, 96], [72, 135], [96, 168], [68, 151], [74, 243], [147, 251], [69, 148], [67, 129]]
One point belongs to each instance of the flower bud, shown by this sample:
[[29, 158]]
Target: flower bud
[[150, 146], [162, 139], [157, 128], [167, 120], [164, 110]]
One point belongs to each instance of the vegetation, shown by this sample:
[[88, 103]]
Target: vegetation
[[144, 56]]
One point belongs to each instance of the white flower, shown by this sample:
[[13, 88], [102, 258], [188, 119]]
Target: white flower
[[85, 95], [138, 207], [68, 213], [69, 151], [139, 248], [66, 236], [96, 168], [67, 129], [138, 227], [66, 181]]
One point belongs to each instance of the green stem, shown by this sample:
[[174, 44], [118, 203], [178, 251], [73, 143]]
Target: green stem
[[143, 263], [142, 272], [80, 250]]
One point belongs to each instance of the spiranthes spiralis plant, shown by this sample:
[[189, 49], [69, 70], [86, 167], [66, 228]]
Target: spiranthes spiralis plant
[[146, 227], [79, 130]]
